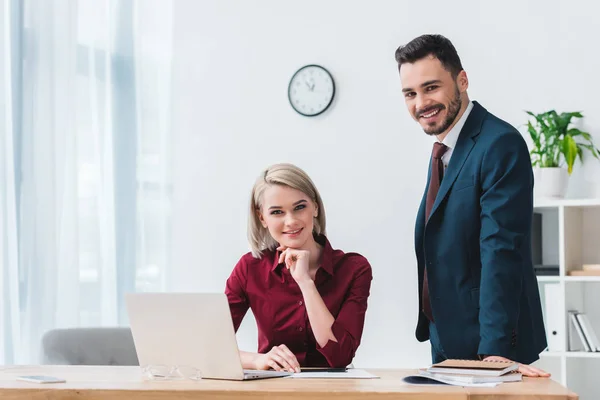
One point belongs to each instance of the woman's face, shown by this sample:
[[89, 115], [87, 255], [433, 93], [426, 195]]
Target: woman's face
[[289, 215]]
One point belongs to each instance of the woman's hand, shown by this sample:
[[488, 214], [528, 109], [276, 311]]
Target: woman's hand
[[297, 261], [280, 358]]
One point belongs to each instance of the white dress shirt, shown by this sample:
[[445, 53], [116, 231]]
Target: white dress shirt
[[452, 136]]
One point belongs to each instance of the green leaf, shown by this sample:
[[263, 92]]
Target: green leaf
[[569, 150], [539, 118], [577, 132], [574, 132], [595, 152], [563, 121], [535, 136]]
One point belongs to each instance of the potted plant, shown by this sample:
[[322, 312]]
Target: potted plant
[[555, 145]]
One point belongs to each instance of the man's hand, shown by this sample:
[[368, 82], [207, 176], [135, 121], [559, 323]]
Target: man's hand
[[526, 370]]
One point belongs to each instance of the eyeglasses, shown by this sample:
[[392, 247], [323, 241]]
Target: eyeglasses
[[171, 372]]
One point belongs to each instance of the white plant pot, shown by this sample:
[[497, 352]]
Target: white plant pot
[[550, 182]]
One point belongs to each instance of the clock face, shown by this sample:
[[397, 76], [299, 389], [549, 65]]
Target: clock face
[[311, 90]]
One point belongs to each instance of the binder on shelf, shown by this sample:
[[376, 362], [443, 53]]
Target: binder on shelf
[[553, 312]]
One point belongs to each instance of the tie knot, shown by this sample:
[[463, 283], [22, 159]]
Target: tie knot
[[439, 149]]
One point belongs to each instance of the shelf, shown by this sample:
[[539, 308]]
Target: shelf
[[568, 278], [571, 354], [570, 229], [551, 203], [548, 278], [582, 278]]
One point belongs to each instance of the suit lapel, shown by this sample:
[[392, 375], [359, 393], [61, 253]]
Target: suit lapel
[[464, 145], [420, 223]]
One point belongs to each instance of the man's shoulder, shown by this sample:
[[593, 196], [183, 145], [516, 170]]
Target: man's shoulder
[[494, 130], [493, 126]]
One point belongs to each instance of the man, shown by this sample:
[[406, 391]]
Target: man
[[478, 294]]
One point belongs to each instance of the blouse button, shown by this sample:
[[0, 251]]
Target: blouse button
[[300, 303]]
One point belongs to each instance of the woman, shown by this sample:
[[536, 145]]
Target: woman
[[309, 300]]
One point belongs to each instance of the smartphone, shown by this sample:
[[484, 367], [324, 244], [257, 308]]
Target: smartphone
[[322, 369], [40, 379]]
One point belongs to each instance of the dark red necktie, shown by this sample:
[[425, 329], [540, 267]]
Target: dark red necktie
[[437, 173]]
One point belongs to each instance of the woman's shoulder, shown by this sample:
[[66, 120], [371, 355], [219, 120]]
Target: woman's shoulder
[[249, 259], [339, 258], [350, 261], [353, 259], [248, 265]]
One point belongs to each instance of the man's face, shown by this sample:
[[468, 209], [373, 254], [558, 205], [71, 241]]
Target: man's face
[[432, 96]]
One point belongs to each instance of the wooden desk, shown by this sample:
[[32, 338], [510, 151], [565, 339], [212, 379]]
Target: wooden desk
[[91, 383]]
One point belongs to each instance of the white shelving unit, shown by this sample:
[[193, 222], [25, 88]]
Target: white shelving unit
[[571, 238]]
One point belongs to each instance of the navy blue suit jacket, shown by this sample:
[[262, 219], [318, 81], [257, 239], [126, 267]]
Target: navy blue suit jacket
[[477, 247]]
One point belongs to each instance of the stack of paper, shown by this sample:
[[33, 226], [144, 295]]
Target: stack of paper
[[469, 373]]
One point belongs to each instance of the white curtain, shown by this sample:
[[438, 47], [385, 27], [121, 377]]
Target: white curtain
[[91, 188], [9, 266]]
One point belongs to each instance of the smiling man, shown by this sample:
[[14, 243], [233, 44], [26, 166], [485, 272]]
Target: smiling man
[[478, 294]]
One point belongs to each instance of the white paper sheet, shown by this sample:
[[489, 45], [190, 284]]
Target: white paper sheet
[[421, 380], [351, 373]]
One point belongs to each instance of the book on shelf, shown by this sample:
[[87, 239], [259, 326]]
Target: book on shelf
[[591, 267], [588, 331], [585, 332], [580, 272], [586, 270], [546, 270]]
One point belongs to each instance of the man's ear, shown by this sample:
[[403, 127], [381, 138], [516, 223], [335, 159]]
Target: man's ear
[[462, 81]]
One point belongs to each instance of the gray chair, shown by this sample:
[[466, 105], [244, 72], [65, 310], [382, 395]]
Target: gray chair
[[89, 346]]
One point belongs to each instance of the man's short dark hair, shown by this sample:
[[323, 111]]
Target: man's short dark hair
[[437, 46]]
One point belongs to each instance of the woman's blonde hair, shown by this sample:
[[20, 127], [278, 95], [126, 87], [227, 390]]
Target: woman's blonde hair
[[287, 175]]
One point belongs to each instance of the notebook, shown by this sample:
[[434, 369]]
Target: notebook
[[474, 367]]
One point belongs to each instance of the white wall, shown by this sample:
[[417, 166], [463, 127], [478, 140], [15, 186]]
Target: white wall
[[232, 64]]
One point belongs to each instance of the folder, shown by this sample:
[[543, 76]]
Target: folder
[[582, 338], [554, 314], [588, 332]]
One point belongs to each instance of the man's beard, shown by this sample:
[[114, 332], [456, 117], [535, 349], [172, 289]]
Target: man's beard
[[453, 109]]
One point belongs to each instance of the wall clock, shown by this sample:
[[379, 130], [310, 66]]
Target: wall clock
[[311, 90]]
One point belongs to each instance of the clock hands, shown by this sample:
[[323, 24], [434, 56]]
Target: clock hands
[[311, 87]]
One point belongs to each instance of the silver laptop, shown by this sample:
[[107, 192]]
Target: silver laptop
[[188, 329]]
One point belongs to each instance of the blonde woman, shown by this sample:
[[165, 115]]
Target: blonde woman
[[309, 300]]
